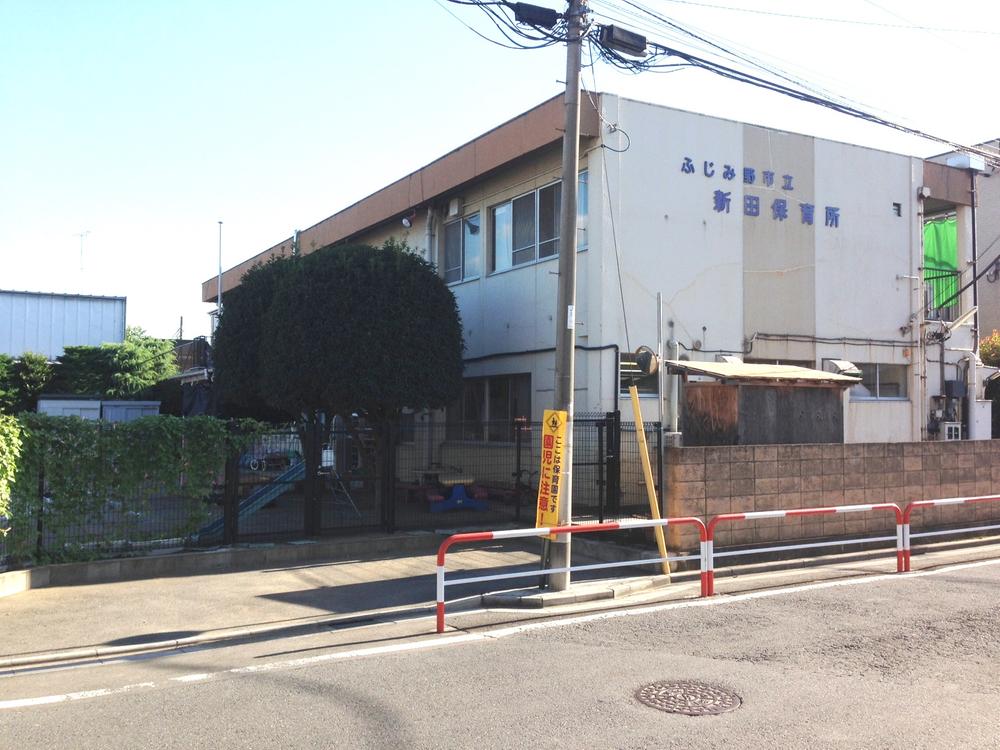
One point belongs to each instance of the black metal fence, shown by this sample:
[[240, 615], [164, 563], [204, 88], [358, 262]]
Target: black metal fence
[[445, 477]]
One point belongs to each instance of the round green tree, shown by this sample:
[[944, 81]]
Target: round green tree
[[349, 329]]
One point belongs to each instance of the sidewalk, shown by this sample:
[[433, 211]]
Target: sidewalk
[[119, 616], [100, 620]]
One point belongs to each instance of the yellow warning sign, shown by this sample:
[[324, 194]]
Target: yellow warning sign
[[550, 476]]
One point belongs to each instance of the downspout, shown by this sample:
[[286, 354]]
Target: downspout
[[975, 260], [428, 256], [674, 349], [429, 236], [919, 319]]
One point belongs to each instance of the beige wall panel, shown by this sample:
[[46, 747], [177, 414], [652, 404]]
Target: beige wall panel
[[779, 255]]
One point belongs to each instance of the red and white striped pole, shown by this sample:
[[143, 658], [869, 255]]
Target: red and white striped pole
[[932, 503], [483, 536]]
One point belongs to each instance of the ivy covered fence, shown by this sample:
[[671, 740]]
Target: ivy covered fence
[[74, 489]]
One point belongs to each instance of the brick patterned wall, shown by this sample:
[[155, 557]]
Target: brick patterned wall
[[705, 482]]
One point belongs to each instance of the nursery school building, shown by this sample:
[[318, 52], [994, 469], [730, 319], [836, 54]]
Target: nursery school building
[[764, 263]]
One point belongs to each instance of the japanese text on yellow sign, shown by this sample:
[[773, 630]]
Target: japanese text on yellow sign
[[553, 445]]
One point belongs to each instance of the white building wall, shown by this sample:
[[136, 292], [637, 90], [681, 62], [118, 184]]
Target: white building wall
[[726, 275], [47, 323], [767, 287]]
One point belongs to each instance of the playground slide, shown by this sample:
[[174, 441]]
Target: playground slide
[[259, 498]]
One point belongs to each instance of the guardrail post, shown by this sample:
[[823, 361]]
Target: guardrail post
[[707, 568], [900, 546], [906, 545], [440, 598]]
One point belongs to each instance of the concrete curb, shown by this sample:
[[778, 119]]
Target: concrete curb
[[249, 557], [232, 635], [214, 636], [584, 592]]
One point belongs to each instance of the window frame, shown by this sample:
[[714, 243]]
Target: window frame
[[583, 178], [876, 396], [462, 223], [484, 429]]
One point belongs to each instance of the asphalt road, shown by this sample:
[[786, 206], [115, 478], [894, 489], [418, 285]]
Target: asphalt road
[[876, 662]]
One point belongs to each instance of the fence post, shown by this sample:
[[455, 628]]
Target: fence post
[[230, 493], [602, 486], [659, 470], [614, 461], [39, 522], [518, 441]]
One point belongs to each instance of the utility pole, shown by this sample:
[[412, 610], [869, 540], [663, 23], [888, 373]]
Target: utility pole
[[219, 290], [566, 301]]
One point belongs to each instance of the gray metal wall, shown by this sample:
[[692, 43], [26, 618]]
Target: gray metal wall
[[47, 323]]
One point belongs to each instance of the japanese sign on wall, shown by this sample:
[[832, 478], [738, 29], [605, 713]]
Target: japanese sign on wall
[[553, 445], [759, 199]]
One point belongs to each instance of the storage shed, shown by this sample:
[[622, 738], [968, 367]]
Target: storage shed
[[734, 403]]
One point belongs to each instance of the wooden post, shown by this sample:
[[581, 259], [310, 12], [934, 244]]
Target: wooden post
[[647, 472]]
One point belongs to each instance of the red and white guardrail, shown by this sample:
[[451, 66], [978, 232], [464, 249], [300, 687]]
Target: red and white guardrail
[[483, 536], [908, 536], [708, 555], [708, 546]]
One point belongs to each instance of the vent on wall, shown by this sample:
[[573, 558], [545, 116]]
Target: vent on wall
[[454, 207]]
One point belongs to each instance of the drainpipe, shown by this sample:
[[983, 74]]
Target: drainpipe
[[675, 384], [429, 257], [429, 236], [975, 259]]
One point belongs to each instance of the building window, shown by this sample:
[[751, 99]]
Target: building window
[[526, 228], [648, 385], [794, 362], [879, 381], [488, 407], [462, 249]]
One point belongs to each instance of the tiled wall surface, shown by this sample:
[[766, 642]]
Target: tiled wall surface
[[706, 482]]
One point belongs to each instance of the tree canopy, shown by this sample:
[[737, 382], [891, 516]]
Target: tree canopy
[[345, 329], [116, 370], [989, 349]]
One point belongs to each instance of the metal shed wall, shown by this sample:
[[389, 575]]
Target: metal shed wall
[[47, 323]]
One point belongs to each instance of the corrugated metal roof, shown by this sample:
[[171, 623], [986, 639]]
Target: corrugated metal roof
[[742, 372]]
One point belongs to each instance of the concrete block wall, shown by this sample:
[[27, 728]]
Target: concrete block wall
[[706, 482]]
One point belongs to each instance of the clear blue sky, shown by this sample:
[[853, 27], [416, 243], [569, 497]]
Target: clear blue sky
[[146, 123]]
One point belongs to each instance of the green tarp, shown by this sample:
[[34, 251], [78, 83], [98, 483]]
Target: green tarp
[[941, 259]]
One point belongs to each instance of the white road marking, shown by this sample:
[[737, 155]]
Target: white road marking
[[192, 677], [455, 640], [46, 699]]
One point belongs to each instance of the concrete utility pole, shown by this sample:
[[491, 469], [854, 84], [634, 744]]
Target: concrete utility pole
[[219, 289], [566, 304]]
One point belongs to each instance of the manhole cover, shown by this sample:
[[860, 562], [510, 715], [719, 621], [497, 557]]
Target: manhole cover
[[691, 698]]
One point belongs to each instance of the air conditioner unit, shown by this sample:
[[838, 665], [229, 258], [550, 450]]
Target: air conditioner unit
[[951, 430]]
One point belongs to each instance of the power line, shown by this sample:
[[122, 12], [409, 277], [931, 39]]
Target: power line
[[826, 19], [658, 51], [680, 33], [511, 29]]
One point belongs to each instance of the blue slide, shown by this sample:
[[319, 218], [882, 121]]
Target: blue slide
[[259, 498]]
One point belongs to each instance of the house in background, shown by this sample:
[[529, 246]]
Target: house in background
[[46, 323], [761, 246]]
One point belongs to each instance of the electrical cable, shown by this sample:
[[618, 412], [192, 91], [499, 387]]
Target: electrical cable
[[823, 19], [743, 77]]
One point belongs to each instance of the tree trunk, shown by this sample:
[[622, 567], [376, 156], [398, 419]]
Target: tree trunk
[[312, 432], [385, 480]]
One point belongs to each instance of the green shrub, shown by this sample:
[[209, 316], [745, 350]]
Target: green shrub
[[92, 483], [989, 349], [10, 451]]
